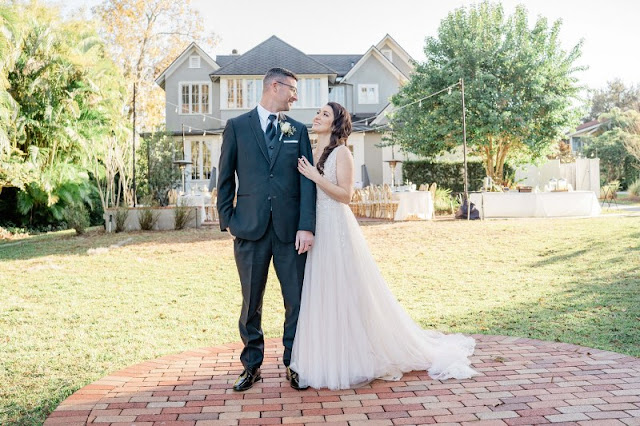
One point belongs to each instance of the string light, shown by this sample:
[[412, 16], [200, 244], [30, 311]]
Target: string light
[[418, 101], [204, 116]]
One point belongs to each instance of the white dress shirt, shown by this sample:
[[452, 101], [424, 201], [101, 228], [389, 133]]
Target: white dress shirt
[[264, 117]]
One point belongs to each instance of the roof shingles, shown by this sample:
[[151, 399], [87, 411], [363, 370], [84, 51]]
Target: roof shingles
[[271, 53]]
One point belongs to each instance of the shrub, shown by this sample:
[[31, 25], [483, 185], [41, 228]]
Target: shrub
[[147, 218], [182, 216], [445, 203], [634, 188], [121, 218], [446, 174], [77, 217]]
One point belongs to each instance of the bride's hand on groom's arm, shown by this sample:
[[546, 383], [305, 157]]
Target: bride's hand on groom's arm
[[304, 241], [308, 170]]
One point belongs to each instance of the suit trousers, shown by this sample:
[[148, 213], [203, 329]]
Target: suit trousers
[[253, 259]]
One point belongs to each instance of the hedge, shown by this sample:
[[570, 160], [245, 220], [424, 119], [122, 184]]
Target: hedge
[[444, 174]]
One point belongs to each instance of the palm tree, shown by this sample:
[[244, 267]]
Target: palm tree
[[10, 47]]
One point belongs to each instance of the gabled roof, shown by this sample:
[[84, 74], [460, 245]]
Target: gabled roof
[[374, 52], [271, 53], [397, 48], [342, 64], [193, 47], [587, 128], [223, 60]]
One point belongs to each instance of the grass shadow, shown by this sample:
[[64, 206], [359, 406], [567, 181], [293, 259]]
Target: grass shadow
[[68, 243], [602, 312]]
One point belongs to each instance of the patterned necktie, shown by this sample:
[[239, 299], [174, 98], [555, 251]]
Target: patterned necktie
[[271, 128]]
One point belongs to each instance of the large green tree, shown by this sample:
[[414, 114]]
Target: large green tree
[[519, 84], [64, 95], [618, 146]]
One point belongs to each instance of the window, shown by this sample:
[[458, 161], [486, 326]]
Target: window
[[336, 94], [200, 160], [241, 93], [368, 93], [309, 93], [194, 98], [388, 53], [194, 61]]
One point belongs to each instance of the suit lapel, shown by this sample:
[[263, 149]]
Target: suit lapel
[[254, 122]]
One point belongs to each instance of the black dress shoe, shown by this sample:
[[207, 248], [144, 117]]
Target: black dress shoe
[[248, 377], [294, 379]]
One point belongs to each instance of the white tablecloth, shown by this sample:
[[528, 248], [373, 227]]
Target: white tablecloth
[[541, 204], [196, 200], [413, 204]]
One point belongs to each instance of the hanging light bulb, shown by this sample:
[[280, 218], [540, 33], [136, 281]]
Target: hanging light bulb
[[204, 133], [420, 103], [449, 91], [203, 118], [176, 110], [189, 129]]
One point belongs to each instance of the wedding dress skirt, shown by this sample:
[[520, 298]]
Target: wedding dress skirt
[[351, 329]]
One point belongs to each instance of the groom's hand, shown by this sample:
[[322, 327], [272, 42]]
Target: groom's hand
[[304, 241], [232, 236]]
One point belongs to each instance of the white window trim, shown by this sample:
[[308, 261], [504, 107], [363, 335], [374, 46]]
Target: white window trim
[[194, 61], [183, 83], [390, 54], [342, 89], [323, 94], [367, 101], [224, 92]]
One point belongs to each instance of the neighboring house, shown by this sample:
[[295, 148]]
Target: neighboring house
[[585, 130], [202, 93]]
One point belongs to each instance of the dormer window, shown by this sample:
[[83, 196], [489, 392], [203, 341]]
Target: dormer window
[[388, 53], [194, 61]]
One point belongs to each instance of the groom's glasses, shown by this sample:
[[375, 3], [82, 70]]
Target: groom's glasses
[[294, 89]]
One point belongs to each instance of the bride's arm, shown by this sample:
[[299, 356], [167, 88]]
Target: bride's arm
[[341, 192]]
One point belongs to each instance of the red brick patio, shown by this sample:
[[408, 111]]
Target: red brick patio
[[523, 382]]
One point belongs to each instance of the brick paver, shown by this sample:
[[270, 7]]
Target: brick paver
[[522, 382]]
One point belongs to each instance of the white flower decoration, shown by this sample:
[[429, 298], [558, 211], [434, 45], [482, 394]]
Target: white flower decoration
[[286, 128]]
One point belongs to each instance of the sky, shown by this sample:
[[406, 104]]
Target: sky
[[608, 28]]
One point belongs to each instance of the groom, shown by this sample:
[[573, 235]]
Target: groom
[[274, 216]]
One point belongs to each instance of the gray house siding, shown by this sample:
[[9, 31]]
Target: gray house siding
[[373, 72], [395, 59], [183, 73], [373, 157]]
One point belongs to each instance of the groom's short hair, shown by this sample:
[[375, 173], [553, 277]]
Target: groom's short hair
[[274, 74]]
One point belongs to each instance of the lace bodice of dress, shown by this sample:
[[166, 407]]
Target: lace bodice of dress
[[331, 173]]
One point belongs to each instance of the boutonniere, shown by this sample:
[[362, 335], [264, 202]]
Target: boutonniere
[[286, 128]]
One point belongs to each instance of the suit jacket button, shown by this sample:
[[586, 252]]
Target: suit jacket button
[[268, 198], [271, 175], [270, 146]]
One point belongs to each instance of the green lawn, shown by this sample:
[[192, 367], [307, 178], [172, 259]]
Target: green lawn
[[68, 317]]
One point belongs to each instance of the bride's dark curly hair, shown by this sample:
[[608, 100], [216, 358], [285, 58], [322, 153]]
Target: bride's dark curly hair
[[340, 131]]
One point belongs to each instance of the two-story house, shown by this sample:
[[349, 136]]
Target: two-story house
[[203, 92]]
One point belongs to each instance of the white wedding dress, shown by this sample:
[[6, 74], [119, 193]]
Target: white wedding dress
[[351, 329]]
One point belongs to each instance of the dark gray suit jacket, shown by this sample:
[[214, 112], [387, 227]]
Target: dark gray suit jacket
[[265, 187]]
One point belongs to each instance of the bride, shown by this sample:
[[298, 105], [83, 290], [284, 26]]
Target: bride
[[351, 329]]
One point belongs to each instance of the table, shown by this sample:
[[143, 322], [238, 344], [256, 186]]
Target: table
[[532, 204], [196, 200], [413, 204]]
